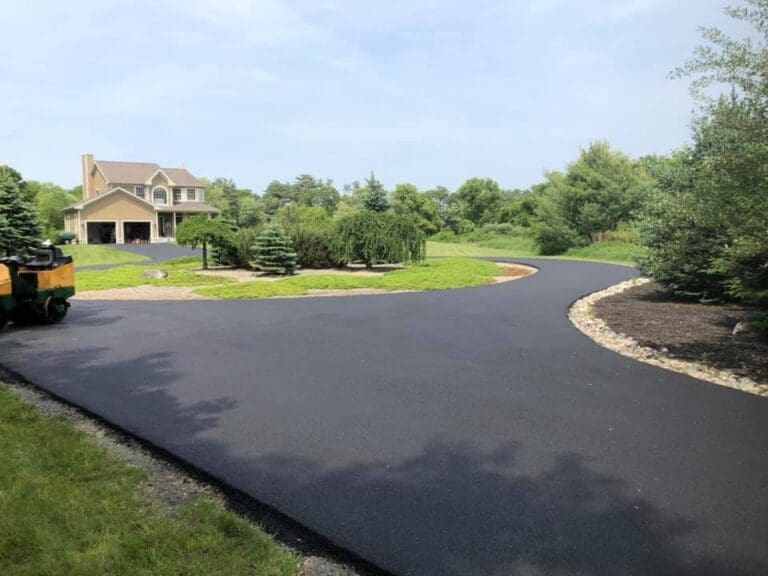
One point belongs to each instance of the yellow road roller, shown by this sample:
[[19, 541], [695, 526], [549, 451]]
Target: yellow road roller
[[37, 288]]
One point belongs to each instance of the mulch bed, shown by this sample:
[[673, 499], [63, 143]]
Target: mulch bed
[[688, 330]]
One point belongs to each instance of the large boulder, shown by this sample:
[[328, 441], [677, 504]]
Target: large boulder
[[155, 274]]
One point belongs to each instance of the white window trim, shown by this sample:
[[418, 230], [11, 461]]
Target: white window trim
[[186, 196], [167, 198], [144, 188]]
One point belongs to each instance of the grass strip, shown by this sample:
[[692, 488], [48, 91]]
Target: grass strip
[[179, 274], [442, 274], [94, 255], [69, 507]]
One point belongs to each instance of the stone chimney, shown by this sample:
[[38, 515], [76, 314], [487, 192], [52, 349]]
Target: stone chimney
[[87, 162]]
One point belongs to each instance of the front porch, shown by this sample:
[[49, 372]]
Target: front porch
[[168, 221]]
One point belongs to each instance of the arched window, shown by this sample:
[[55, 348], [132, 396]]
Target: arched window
[[160, 196]]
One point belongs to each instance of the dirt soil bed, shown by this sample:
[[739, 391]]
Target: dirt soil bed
[[688, 330]]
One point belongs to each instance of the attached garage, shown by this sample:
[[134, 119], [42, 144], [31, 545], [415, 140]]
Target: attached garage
[[102, 232], [137, 232]]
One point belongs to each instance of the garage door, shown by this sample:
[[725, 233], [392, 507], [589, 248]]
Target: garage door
[[102, 233], [136, 232]]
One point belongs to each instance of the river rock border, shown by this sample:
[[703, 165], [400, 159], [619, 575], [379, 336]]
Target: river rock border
[[582, 315]]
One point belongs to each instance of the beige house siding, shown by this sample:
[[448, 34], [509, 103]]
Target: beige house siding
[[132, 189], [161, 181], [199, 194], [117, 208], [97, 182], [70, 222]]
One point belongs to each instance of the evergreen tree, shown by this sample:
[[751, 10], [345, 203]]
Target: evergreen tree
[[274, 252], [21, 232], [374, 195], [5, 231]]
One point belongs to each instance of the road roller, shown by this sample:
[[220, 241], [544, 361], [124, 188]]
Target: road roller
[[36, 289]]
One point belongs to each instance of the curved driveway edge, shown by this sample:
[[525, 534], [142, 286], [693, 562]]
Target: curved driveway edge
[[582, 316], [473, 431]]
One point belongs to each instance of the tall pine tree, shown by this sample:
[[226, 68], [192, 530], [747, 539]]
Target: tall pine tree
[[374, 196], [21, 232]]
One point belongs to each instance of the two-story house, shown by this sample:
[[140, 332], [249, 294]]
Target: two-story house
[[129, 202]]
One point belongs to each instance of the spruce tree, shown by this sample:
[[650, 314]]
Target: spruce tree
[[21, 232], [274, 252], [374, 196]]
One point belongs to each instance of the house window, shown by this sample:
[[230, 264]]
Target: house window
[[139, 191], [160, 196], [177, 194], [191, 195]]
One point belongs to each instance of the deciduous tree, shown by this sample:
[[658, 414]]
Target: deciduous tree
[[202, 232]]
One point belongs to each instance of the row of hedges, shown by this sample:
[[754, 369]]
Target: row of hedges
[[365, 237]]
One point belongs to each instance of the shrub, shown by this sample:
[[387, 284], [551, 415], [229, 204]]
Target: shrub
[[64, 237], [223, 251], [554, 237], [681, 248], [445, 236], [465, 227], [237, 251], [503, 229], [274, 252], [314, 248], [378, 237]]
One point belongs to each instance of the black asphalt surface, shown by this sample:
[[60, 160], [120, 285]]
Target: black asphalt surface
[[465, 432], [157, 253]]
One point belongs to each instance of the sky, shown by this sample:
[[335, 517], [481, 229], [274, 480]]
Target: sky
[[430, 92]]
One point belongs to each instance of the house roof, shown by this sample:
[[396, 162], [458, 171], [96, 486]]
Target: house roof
[[140, 172], [183, 207], [83, 203]]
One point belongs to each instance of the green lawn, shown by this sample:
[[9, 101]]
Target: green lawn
[[68, 507], [179, 274], [615, 251], [93, 255], [430, 275]]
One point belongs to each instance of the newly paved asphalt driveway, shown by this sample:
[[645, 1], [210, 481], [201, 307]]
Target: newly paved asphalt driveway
[[466, 432], [159, 252]]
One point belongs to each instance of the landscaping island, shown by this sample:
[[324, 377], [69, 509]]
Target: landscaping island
[[719, 343], [185, 280]]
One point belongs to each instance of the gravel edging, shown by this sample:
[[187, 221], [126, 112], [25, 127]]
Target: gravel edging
[[581, 315], [172, 484]]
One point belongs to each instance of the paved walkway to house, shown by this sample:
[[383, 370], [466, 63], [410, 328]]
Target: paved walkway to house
[[448, 433]]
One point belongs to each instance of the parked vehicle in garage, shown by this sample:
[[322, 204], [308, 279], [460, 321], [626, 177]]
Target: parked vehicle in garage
[[36, 289]]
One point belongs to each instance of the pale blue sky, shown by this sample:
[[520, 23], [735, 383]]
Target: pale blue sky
[[426, 91]]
